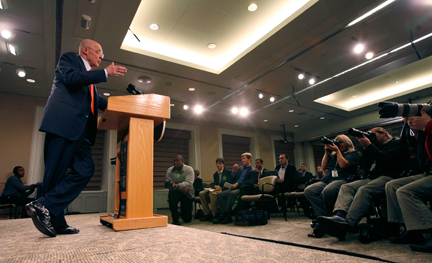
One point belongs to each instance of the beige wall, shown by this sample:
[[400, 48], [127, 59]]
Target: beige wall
[[16, 119]]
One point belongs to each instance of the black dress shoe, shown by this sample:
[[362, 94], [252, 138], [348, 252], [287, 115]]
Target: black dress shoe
[[67, 230], [176, 222], [408, 237], [41, 218], [334, 226], [227, 220], [423, 248], [206, 217], [217, 220]]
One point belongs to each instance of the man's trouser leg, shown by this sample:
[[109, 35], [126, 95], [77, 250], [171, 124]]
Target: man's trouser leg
[[213, 201], [416, 214], [222, 199], [364, 197], [173, 200], [313, 195], [186, 208], [330, 194], [232, 197], [204, 197], [347, 193], [394, 213]]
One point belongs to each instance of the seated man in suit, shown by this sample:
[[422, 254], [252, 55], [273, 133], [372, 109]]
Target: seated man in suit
[[285, 182], [179, 179], [303, 175], [260, 168], [15, 192], [198, 182], [244, 175], [221, 176]]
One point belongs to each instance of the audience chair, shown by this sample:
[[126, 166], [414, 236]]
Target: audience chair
[[266, 186], [197, 201], [5, 204], [294, 197]]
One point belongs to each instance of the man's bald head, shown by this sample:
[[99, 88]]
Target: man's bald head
[[91, 51]]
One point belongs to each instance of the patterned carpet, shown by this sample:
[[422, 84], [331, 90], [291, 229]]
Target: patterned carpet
[[21, 242]]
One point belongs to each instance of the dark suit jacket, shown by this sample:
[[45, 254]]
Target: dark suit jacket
[[301, 179], [250, 179], [68, 108], [226, 177], [290, 177]]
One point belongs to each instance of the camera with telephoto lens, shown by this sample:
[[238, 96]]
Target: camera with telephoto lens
[[326, 140], [392, 109], [359, 134]]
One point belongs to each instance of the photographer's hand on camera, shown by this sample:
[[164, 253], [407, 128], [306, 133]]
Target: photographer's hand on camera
[[364, 141], [418, 123], [331, 147]]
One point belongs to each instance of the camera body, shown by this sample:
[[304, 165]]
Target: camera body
[[392, 109], [326, 140], [357, 133]]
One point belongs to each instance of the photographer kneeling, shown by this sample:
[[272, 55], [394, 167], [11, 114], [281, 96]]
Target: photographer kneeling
[[386, 158], [341, 162]]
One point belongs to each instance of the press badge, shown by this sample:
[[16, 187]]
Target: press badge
[[334, 173]]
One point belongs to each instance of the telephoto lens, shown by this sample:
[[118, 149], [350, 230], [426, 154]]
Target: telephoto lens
[[359, 134], [392, 109], [326, 140]]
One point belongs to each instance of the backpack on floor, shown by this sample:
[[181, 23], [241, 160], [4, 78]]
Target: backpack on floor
[[251, 218]]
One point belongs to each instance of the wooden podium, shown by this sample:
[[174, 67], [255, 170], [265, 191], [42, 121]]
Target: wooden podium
[[135, 117]]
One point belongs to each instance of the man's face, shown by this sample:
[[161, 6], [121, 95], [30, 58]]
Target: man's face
[[178, 163], [219, 166], [20, 172], [283, 159], [92, 54], [245, 161], [258, 164], [303, 167], [381, 137]]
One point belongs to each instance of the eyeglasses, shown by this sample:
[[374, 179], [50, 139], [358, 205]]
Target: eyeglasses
[[100, 53]]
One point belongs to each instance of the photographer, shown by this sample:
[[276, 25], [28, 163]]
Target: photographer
[[405, 196], [341, 162], [386, 158]]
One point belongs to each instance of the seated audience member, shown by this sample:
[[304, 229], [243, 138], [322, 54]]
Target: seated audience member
[[303, 176], [260, 168], [285, 182], [244, 175], [386, 158], [15, 192], [221, 176], [320, 173], [406, 196], [198, 183], [179, 179], [341, 162]]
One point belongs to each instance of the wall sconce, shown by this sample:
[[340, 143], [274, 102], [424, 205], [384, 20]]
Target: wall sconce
[[85, 21]]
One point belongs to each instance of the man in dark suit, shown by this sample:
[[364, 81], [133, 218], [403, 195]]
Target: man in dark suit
[[244, 175], [221, 176], [285, 182], [303, 175], [70, 123]]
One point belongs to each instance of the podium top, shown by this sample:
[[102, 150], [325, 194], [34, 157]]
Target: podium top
[[147, 106]]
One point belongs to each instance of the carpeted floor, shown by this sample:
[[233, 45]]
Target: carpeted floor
[[193, 242]]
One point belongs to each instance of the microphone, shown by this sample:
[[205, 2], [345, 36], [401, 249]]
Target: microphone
[[131, 89]]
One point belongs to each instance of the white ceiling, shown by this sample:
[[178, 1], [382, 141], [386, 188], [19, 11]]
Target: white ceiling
[[316, 41]]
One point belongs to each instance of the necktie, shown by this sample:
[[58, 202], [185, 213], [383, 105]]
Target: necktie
[[92, 97]]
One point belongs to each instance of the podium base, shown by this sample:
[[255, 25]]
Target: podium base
[[120, 224]]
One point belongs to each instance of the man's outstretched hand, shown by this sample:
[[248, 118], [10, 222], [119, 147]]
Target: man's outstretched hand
[[113, 70]]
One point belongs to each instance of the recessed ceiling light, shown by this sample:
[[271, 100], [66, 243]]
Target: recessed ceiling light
[[369, 55], [154, 27], [144, 79], [252, 7], [296, 126], [198, 109], [7, 34], [31, 80], [211, 45], [291, 110], [358, 48], [322, 118], [261, 96], [354, 96], [312, 81], [172, 104], [272, 99], [244, 112], [234, 110], [106, 94], [191, 89], [12, 49], [396, 81], [20, 72], [265, 120], [185, 107], [301, 76]]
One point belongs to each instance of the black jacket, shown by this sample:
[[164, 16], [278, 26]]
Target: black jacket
[[226, 177], [250, 179], [289, 184]]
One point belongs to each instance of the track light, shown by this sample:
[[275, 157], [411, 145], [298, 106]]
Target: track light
[[358, 48], [12, 49], [369, 55], [7, 34], [272, 99], [311, 81], [244, 112], [261, 96], [185, 107], [234, 110], [4, 4], [198, 109], [301, 76], [20, 72]]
